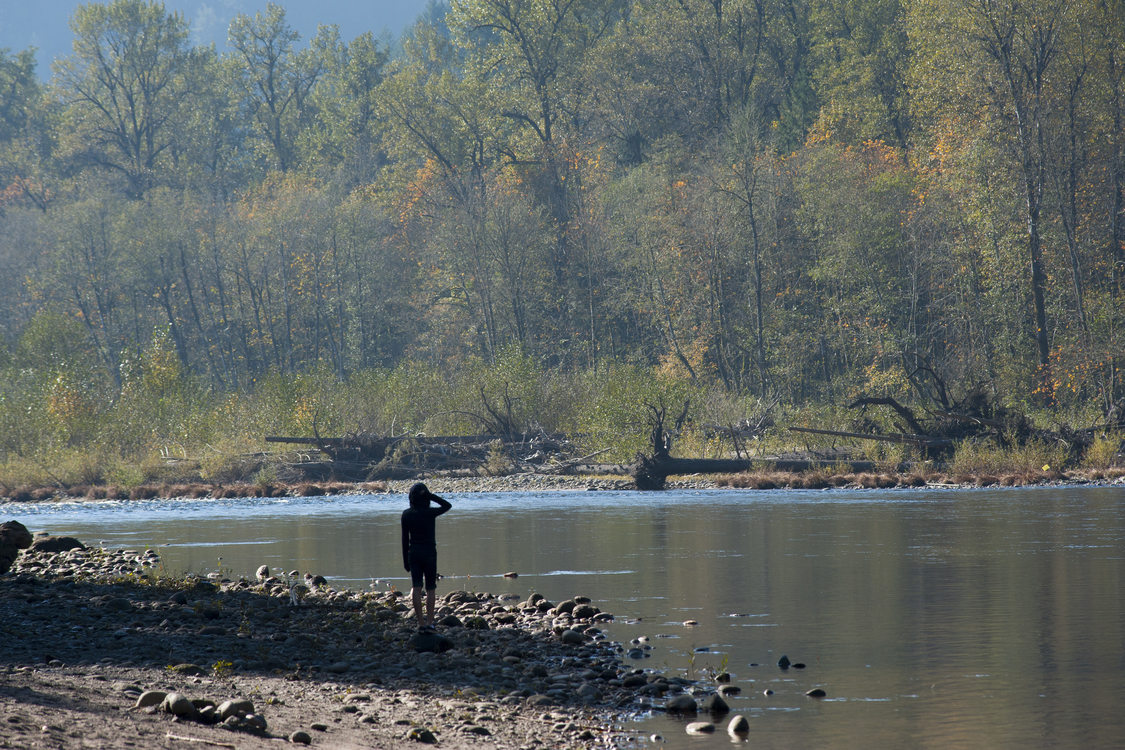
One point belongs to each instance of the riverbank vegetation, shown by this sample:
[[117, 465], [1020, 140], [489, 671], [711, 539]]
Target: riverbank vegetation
[[564, 215]]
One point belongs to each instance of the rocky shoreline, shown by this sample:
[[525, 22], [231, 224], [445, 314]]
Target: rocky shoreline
[[103, 650], [822, 478]]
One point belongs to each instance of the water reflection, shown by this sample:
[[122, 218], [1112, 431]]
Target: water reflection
[[952, 619]]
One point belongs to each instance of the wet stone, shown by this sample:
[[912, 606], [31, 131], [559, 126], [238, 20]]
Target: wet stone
[[738, 725], [681, 704]]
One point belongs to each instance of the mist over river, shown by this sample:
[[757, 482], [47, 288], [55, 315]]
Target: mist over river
[[931, 618]]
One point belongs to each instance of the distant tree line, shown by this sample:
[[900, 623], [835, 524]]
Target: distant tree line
[[793, 199]]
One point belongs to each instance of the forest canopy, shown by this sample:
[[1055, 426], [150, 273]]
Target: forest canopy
[[802, 200]]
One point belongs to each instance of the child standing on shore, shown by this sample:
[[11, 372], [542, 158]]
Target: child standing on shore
[[419, 548]]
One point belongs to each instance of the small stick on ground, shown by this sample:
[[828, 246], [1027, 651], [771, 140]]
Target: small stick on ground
[[199, 740]]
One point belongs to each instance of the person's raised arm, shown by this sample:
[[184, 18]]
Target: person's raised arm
[[442, 503]]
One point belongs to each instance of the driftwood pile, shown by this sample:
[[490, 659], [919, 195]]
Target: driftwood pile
[[934, 436], [368, 457], [501, 450]]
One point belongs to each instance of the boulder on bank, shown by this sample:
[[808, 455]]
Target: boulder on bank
[[14, 537], [56, 544], [428, 640]]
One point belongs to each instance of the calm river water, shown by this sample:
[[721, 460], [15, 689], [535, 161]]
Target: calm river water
[[932, 619]]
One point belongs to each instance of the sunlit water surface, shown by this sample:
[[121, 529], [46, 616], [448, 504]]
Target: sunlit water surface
[[945, 619]]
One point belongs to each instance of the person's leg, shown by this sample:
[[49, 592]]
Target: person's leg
[[430, 575], [417, 579], [431, 600]]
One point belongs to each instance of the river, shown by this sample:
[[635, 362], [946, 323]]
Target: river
[[931, 618]]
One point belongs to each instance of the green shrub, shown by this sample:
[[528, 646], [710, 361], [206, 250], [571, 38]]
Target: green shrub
[[235, 459], [1103, 451], [985, 457]]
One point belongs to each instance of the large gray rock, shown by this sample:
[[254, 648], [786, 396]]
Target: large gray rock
[[14, 536], [584, 612], [428, 640], [700, 727], [713, 704], [56, 544], [231, 708], [178, 704], [681, 704], [572, 638], [738, 725], [150, 698]]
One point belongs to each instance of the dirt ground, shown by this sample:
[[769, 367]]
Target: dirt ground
[[90, 706]]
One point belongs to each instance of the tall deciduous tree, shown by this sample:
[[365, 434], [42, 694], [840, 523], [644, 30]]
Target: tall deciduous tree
[[528, 53], [276, 78], [127, 81], [18, 90], [1000, 58], [861, 56], [25, 132], [346, 101]]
